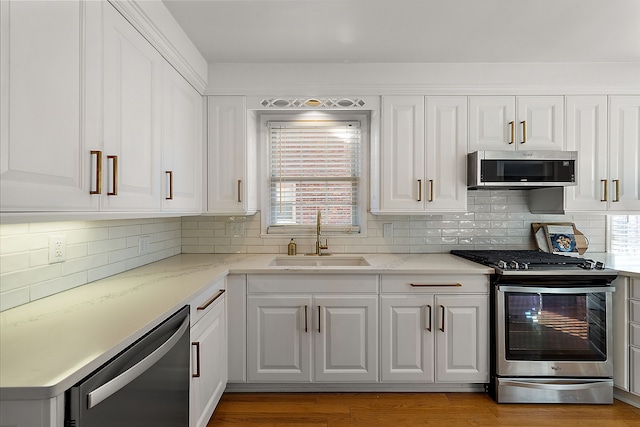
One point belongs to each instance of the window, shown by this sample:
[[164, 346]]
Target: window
[[314, 165], [625, 234]]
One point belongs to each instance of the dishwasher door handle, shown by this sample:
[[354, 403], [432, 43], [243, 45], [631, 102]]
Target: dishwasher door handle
[[115, 384]]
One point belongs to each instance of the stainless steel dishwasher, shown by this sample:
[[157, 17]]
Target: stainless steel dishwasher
[[147, 384]]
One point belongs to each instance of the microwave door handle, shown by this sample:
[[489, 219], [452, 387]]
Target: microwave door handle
[[115, 384], [565, 290]]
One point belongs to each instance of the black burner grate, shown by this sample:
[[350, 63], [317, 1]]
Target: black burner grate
[[491, 257]]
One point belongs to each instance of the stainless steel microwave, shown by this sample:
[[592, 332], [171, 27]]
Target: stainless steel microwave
[[521, 169]]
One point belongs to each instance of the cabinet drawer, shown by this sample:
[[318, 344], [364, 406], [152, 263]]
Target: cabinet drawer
[[426, 283], [308, 283], [634, 334], [634, 311], [204, 302]]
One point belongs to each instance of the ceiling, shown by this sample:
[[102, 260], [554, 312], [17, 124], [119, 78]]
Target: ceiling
[[411, 31]]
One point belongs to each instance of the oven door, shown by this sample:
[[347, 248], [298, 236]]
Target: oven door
[[551, 331]]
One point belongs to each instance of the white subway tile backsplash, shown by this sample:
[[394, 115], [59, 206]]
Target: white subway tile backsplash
[[95, 249], [498, 219]]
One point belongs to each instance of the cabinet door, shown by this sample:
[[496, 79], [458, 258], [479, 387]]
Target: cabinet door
[[228, 183], [462, 339], [492, 123], [209, 364], [182, 144], [624, 153], [132, 111], [402, 163], [407, 343], [278, 338], [635, 370], [587, 134], [44, 162], [346, 338], [540, 124], [446, 152]]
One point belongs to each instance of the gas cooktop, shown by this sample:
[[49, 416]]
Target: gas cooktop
[[523, 262]]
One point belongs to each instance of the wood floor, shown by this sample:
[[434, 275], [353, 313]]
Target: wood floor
[[409, 409]]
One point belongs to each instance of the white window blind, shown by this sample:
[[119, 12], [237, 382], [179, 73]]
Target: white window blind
[[625, 234], [314, 166]]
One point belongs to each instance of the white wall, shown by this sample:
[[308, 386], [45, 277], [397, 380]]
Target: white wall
[[95, 249], [462, 79]]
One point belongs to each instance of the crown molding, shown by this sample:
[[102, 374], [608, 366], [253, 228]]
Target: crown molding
[[194, 68]]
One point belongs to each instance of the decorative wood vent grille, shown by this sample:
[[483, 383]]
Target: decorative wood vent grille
[[312, 103]]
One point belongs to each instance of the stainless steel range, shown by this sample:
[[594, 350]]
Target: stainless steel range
[[551, 327]]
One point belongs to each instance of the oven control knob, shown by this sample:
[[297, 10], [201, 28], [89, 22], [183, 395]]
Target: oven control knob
[[514, 265], [502, 264], [599, 265], [524, 265]]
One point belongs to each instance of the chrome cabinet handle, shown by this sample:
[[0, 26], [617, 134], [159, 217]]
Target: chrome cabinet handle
[[114, 176], [169, 175], [98, 155], [211, 300], [524, 131], [197, 345], [419, 190], [117, 383], [605, 186]]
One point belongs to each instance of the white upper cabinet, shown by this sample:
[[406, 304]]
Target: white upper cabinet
[[422, 155], [231, 158], [132, 117], [608, 176], [84, 132], [624, 154], [44, 158], [182, 145], [516, 123], [446, 149], [587, 134], [402, 153]]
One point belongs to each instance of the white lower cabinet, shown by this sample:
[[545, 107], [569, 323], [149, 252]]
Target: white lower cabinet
[[634, 335], [428, 336], [208, 354], [325, 332]]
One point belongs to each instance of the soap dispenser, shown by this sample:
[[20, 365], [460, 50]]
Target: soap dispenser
[[291, 249]]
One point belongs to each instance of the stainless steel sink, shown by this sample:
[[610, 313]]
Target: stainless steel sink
[[319, 261]]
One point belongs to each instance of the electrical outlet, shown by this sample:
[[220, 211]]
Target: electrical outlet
[[144, 243], [57, 249], [387, 229]]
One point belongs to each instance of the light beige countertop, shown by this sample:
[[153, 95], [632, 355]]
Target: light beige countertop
[[50, 344]]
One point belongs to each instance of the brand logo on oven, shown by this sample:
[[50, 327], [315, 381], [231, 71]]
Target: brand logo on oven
[[556, 368]]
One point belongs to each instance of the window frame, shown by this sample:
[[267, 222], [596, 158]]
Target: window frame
[[364, 117]]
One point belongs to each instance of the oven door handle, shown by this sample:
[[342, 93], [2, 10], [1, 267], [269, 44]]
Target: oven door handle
[[576, 385], [547, 290]]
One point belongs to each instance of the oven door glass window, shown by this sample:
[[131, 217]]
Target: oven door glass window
[[555, 327]]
